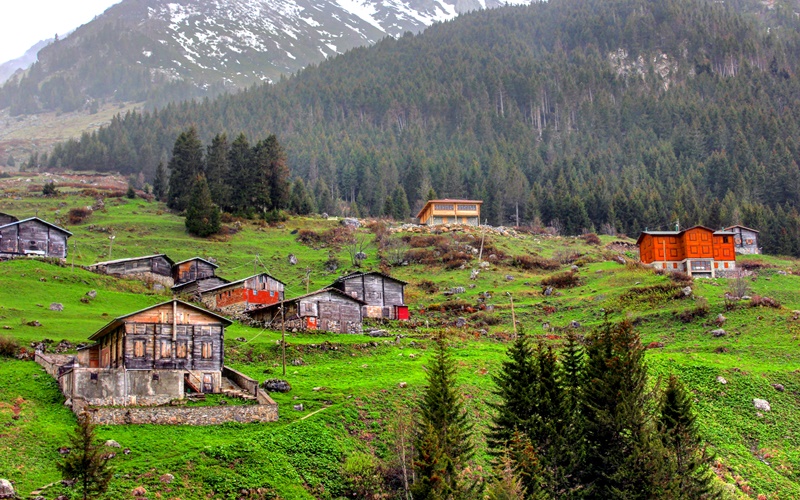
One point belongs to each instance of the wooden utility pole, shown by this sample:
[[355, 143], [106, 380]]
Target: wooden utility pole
[[110, 245], [513, 316], [308, 273], [283, 338], [483, 236]]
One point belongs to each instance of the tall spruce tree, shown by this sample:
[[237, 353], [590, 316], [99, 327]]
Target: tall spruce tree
[[242, 177], [443, 435], [688, 472], [622, 458], [515, 386], [186, 163], [202, 215], [85, 462], [218, 169], [301, 201], [160, 183]]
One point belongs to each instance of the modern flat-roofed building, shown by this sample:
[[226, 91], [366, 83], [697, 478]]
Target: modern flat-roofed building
[[437, 212]]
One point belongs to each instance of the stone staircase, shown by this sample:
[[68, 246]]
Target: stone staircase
[[230, 389]]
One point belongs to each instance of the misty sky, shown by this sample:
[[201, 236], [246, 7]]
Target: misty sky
[[25, 22]]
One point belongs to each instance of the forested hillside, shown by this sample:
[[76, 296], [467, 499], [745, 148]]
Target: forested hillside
[[616, 115]]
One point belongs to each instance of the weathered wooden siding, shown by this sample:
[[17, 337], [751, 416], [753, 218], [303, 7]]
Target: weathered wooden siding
[[32, 237], [7, 219], [379, 292], [257, 290], [326, 310], [192, 270]]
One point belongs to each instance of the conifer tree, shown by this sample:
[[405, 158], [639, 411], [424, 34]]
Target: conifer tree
[[442, 441], [160, 183], [515, 388], [621, 458], [242, 178], [202, 215], [399, 203], [85, 462], [217, 169], [688, 473], [301, 202], [186, 163]]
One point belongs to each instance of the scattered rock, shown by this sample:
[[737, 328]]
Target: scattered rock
[[461, 323], [64, 450], [7, 489], [548, 291], [654, 345], [56, 306], [126, 451], [779, 387], [351, 222], [85, 300], [166, 478], [297, 362], [241, 339], [719, 332], [795, 315], [402, 385], [722, 380], [746, 297], [575, 268], [721, 350], [139, 491], [292, 259], [761, 404], [33, 323], [360, 256], [720, 320], [687, 291], [113, 444], [378, 333], [317, 389], [324, 215], [298, 407], [484, 265], [545, 326], [574, 324], [6, 327], [158, 287], [509, 277], [474, 275], [276, 385], [63, 346]]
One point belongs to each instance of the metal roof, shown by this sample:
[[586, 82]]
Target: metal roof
[[447, 200], [232, 283], [120, 320], [195, 258], [743, 227], [357, 274], [36, 219], [295, 299], [130, 259]]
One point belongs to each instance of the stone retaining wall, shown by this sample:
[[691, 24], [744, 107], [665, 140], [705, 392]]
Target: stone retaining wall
[[181, 415]]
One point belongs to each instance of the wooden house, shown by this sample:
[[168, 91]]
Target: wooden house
[[697, 251], [150, 357], [192, 269], [384, 296], [149, 268], [328, 309], [239, 296], [33, 237], [7, 219], [745, 240], [437, 212]]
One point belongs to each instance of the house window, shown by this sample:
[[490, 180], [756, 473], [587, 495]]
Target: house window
[[156, 377], [180, 350], [726, 265], [93, 376], [749, 242], [207, 349], [716, 265], [468, 207], [724, 239], [444, 207], [674, 265], [701, 265], [165, 349], [138, 348]]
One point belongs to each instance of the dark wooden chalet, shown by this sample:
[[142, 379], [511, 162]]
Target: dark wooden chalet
[[7, 219], [193, 269], [384, 296], [745, 240], [153, 355], [328, 309], [238, 296], [33, 237], [151, 268]]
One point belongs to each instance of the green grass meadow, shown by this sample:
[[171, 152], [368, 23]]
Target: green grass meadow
[[349, 384]]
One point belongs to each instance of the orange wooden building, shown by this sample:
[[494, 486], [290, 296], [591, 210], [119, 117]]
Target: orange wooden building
[[451, 212], [697, 251]]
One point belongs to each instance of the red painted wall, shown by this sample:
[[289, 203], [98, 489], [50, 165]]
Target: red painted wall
[[228, 297]]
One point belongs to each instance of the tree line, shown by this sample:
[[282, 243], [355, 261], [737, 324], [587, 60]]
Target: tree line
[[579, 423], [595, 115]]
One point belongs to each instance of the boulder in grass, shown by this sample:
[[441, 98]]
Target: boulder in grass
[[56, 306], [113, 444], [722, 380], [719, 332], [276, 385], [7, 489], [761, 404]]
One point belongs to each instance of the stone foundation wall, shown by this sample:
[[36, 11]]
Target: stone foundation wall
[[177, 415]]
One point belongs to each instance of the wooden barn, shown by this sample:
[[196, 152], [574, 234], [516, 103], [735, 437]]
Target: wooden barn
[[7, 219], [745, 240], [192, 269], [384, 296], [239, 296], [328, 309], [437, 212], [150, 357], [33, 237], [697, 251], [149, 268]]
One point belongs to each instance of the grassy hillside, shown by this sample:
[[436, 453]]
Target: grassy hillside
[[348, 384]]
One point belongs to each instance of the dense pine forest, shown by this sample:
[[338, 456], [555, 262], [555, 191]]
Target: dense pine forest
[[580, 115]]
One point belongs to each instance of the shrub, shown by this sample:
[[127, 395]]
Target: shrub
[[422, 256], [759, 301], [529, 262], [738, 286], [567, 279], [482, 318], [750, 265], [700, 310], [428, 286], [308, 237], [9, 347], [49, 189], [566, 256], [78, 215], [363, 476], [591, 239], [424, 241]]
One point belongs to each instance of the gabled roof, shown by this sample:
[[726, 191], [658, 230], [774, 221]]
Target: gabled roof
[[180, 286], [675, 233], [742, 227], [358, 275], [301, 297], [234, 283], [39, 220], [13, 218], [447, 200], [195, 258], [116, 322], [131, 259]]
